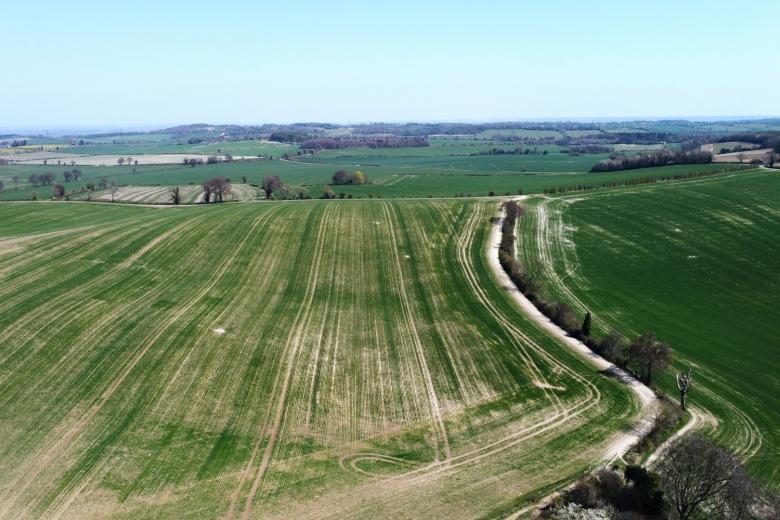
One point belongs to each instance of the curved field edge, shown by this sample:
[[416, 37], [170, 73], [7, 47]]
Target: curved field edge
[[328, 359], [650, 257]]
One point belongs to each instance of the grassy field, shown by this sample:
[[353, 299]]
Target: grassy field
[[697, 262], [329, 359], [442, 176], [249, 147]]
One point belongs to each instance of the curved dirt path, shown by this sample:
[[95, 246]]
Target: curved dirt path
[[620, 444], [646, 396]]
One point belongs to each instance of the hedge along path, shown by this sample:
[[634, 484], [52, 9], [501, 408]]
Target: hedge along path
[[294, 339], [551, 242], [175, 437], [520, 340], [57, 448]]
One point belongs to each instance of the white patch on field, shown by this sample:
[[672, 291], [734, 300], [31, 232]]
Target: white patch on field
[[377, 222], [407, 256], [219, 331], [692, 256], [677, 230], [540, 384]]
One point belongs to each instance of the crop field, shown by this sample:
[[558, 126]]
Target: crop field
[[237, 148], [190, 194], [321, 358], [697, 262], [61, 159], [443, 176]]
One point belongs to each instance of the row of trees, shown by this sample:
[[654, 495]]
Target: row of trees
[[214, 190], [342, 177], [511, 151], [122, 161], [71, 175], [275, 189], [389, 141], [651, 159], [696, 478], [41, 179], [634, 181]]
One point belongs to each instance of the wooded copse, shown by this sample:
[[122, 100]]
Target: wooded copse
[[41, 179], [215, 189], [344, 177], [651, 159]]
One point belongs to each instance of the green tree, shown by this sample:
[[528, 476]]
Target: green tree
[[586, 324]]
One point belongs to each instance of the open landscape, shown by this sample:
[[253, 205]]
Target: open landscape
[[352, 260]]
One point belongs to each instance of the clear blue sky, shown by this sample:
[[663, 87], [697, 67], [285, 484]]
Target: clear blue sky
[[82, 63]]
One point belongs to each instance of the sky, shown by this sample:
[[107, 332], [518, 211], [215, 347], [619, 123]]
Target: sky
[[150, 63]]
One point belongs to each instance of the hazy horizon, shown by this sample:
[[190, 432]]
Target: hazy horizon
[[89, 64]]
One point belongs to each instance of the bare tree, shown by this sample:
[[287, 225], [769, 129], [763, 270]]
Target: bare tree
[[220, 187], [58, 191], [102, 183], [701, 478], [208, 189], [120, 161], [683, 383], [741, 157], [270, 184], [650, 355], [16, 180], [114, 190], [176, 195]]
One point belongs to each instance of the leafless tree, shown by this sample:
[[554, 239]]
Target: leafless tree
[[120, 161], [271, 183], [58, 191], [683, 383], [114, 190], [176, 195], [220, 187], [16, 180], [740, 157], [702, 479], [650, 355]]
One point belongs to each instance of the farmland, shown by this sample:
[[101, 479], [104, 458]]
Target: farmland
[[329, 359], [696, 262]]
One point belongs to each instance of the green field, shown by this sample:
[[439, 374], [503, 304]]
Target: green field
[[249, 147], [698, 263], [278, 360], [390, 176]]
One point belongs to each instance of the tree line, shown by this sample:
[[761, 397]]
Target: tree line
[[512, 151], [335, 143], [342, 177], [275, 189], [651, 159], [696, 478], [641, 180]]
